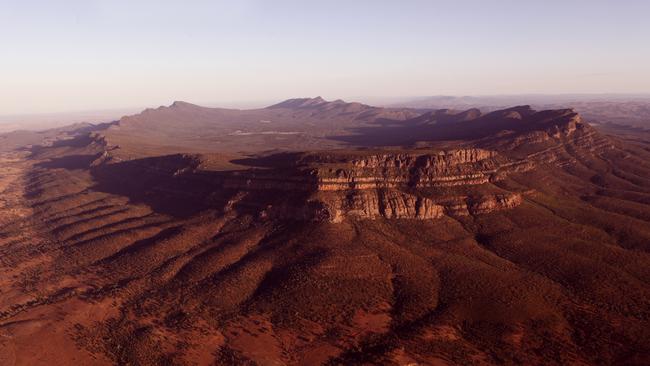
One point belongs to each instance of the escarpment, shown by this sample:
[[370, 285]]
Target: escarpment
[[398, 183], [395, 204], [333, 186], [413, 169], [359, 170]]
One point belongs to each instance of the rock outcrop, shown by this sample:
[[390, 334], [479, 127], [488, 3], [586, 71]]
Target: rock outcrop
[[394, 204], [373, 204], [350, 171], [333, 186]]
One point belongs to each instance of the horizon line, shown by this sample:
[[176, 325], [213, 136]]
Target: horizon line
[[347, 99]]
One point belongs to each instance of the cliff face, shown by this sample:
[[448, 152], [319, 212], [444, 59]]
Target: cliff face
[[349, 171], [417, 184], [394, 204], [433, 169], [373, 204], [391, 185]]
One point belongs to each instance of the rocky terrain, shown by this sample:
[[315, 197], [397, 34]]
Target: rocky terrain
[[314, 232]]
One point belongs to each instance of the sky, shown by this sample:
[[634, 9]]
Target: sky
[[74, 55]]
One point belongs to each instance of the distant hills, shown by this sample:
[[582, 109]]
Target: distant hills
[[631, 110]]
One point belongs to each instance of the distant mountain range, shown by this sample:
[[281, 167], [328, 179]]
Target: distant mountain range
[[625, 109]]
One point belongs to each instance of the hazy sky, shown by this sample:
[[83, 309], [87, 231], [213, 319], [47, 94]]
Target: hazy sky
[[82, 54]]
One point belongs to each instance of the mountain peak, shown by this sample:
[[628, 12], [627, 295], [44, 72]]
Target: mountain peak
[[300, 103], [181, 104]]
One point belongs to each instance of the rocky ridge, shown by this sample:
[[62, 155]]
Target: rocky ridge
[[333, 186]]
